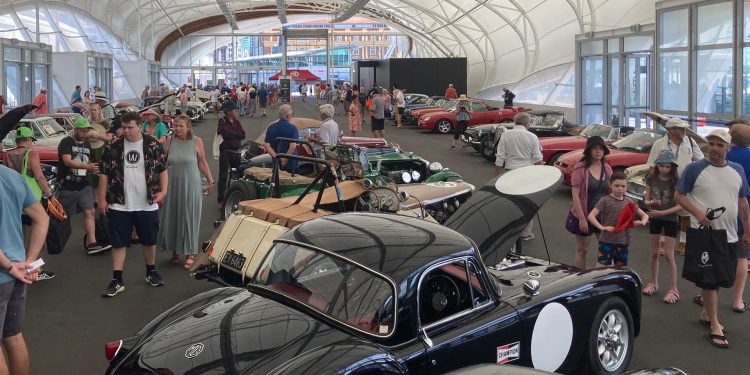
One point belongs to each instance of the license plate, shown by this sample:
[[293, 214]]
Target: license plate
[[234, 260]]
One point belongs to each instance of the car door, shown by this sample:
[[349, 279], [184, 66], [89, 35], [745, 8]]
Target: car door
[[461, 322], [480, 114]]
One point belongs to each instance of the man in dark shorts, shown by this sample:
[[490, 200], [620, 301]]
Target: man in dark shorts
[[712, 183], [378, 114], [17, 199], [75, 194], [132, 184]]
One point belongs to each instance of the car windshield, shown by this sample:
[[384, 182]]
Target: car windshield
[[346, 292], [549, 120], [596, 130], [450, 105], [49, 127], [640, 141]]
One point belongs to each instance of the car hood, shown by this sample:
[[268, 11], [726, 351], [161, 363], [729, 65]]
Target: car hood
[[571, 141], [496, 214], [238, 332], [481, 128]]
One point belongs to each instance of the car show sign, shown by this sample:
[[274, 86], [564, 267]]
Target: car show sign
[[285, 86]]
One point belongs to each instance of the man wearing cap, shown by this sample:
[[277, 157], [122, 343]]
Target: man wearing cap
[[518, 147], [712, 183], [685, 151], [75, 193], [450, 92], [230, 129], [508, 98], [41, 101]]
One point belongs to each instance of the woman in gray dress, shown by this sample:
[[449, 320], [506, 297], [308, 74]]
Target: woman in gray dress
[[179, 223]]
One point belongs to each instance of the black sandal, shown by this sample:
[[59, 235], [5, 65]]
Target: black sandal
[[711, 337], [741, 309], [698, 300], [707, 324]]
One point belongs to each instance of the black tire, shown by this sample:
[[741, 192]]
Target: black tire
[[553, 158], [238, 191], [612, 313], [487, 147], [443, 126]]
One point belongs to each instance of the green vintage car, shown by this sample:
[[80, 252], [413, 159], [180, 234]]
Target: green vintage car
[[375, 166]]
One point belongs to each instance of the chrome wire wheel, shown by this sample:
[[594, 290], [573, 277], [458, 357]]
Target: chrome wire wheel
[[613, 340], [232, 203]]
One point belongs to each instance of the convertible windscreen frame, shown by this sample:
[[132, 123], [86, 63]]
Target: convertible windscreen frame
[[263, 278], [491, 296]]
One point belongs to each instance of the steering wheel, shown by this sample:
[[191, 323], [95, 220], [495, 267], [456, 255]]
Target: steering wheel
[[439, 298]]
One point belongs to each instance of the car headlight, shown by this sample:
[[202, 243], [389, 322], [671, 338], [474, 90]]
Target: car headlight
[[406, 177], [426, 118], [415, 176], [436, 167]]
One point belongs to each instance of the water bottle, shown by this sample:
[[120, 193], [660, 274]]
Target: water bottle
[[204, 185]]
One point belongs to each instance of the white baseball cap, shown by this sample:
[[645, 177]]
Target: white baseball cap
[[721, 134]]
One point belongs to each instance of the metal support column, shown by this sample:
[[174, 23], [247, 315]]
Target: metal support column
[[283, 51], [328, 55], [36, 7]]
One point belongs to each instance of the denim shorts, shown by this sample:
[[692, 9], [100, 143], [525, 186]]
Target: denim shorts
[[613, 254], [121, 225]]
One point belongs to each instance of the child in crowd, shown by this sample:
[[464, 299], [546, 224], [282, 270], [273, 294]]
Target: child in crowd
[[616, 217], [659, 196]]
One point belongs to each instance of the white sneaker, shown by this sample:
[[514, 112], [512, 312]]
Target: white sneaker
[[527, 237]]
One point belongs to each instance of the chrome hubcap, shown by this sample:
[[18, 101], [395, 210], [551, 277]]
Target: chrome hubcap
[[233, 203], [612, 340], [444, 127]]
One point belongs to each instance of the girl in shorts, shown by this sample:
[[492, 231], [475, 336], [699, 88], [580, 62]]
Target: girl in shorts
[[659, 196]]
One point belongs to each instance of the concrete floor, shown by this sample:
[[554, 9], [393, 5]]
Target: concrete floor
[[68, 323]]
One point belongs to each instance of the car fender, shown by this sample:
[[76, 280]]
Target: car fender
[[353, 356], [443, 176]]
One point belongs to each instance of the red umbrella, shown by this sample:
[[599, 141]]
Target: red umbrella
[[13, 117]]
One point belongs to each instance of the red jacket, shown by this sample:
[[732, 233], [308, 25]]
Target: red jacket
[[450, 93]]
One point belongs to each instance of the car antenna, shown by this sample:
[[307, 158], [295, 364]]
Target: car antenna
[[544, 239]]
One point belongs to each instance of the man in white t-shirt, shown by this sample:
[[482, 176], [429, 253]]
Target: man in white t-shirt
[[398, 94], [710, 184], [132, 184]]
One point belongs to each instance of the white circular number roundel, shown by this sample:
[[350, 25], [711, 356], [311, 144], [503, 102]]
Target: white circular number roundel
[[527, 180], [552, 337]]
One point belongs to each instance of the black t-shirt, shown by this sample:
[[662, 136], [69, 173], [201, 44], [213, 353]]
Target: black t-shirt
[[252, 94], [73, 179], [509, 98], [348, 97]]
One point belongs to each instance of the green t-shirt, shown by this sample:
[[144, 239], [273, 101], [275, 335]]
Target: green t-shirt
[[161, 129]]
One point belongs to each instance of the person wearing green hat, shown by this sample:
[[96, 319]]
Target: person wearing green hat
[[76, 194], [25, 160]]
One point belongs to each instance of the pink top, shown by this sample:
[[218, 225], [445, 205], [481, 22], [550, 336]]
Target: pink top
[[41, 102], [579, 178]]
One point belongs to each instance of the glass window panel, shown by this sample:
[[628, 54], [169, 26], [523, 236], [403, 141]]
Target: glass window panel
[[715, 23], [614, 79], [613, 45], [673, 89], [12, 84], [714, 81], [639, 43], [40, 77], [746, 23], [592, 114], [12, 54], [745, 80], [674, 29], [592, 47], [593, 80], [636, 81], [537, 87], [564, 94]]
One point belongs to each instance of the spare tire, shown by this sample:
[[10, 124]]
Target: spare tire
[[237, 192]]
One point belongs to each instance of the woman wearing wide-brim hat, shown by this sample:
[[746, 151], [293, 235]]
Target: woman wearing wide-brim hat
[[590, 182], [153, 125]]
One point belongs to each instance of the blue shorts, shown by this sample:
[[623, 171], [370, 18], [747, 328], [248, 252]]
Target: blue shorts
[[613, 254], [121, 225]]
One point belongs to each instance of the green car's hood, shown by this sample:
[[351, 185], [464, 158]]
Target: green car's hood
[[392, 156]]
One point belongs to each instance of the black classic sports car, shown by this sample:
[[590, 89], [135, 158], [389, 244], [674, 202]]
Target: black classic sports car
[[366, 293]]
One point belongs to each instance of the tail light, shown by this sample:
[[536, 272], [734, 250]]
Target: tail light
[[208, 247], [111, 349]]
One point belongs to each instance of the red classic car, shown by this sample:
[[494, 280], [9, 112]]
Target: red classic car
[[554, 147], [47, 153], [412, 116], [627, 152], [482, 113], [368, 142]]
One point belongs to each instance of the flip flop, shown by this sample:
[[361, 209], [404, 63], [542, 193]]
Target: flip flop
[[711, 337], [650, 289], [741, 309], [707, 324], [189, 262], [672, 297], [698, 300]]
